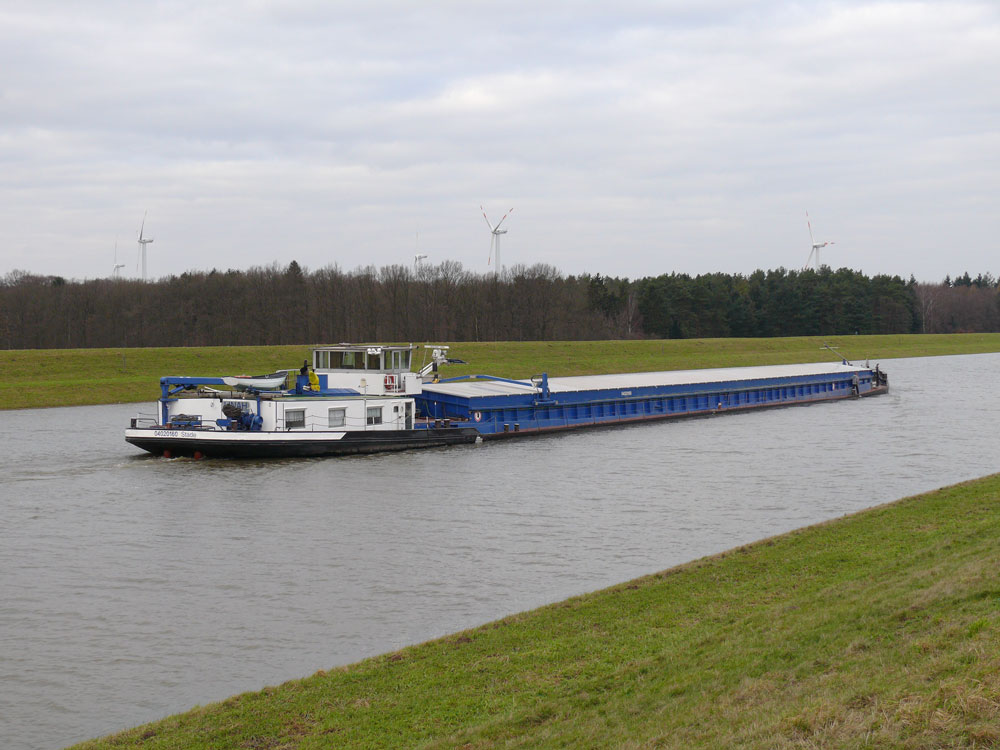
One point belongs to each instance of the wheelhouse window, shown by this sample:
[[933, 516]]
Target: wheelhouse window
[[295, 419], [374, 415], [338, 417], [352, 360]]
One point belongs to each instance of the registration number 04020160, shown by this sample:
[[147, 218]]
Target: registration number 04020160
[[173, 433]]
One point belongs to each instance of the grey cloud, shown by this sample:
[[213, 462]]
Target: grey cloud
[[634, 139]]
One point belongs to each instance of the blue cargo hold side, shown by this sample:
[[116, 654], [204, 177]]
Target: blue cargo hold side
[[498, 407]]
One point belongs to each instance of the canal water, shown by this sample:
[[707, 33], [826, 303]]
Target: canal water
[[132, 587]]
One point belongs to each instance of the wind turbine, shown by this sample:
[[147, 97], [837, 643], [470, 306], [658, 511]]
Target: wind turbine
[[418, 256], [114, 273], [143, 241], [815, 245], [495, 232]]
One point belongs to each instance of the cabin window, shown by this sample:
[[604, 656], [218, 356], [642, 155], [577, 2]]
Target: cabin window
[[374, 361], [322, 361], [352, 361], [401, 360], [338, 417], [295, 419], [374, 415]]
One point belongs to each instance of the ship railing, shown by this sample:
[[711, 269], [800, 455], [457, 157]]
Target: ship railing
[[321, 424], [394, 383], [144, 420]]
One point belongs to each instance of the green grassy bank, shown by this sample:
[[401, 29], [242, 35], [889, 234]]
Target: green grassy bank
[[880, 629], [70, 377]]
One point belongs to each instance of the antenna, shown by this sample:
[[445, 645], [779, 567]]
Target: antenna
[[143, 241], [814, 245], [495, 232], [114, 273]]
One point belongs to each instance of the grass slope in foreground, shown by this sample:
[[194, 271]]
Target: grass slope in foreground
[[875, 630], [72, 377]]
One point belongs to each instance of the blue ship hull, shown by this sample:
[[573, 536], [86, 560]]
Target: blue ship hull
[[503, 408]]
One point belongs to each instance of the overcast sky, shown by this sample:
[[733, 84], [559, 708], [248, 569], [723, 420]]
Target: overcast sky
[[631, 138]]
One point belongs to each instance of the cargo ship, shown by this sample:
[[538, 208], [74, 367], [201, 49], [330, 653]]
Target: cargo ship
[[362, 398]]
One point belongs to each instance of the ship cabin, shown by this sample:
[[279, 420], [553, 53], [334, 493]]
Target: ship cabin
[[371, 370]]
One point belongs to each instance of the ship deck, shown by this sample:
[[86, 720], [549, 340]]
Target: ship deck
[[660, 379]]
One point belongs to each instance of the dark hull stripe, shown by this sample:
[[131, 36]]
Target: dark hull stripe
[[361, 442]]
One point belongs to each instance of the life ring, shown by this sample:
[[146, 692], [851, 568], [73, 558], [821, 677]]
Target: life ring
[[477, 415], [390, 382]]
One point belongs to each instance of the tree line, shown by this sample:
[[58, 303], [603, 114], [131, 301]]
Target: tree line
[[444, 302]]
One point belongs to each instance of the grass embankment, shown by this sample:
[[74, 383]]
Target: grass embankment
[[880, 629], [70, 377]]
